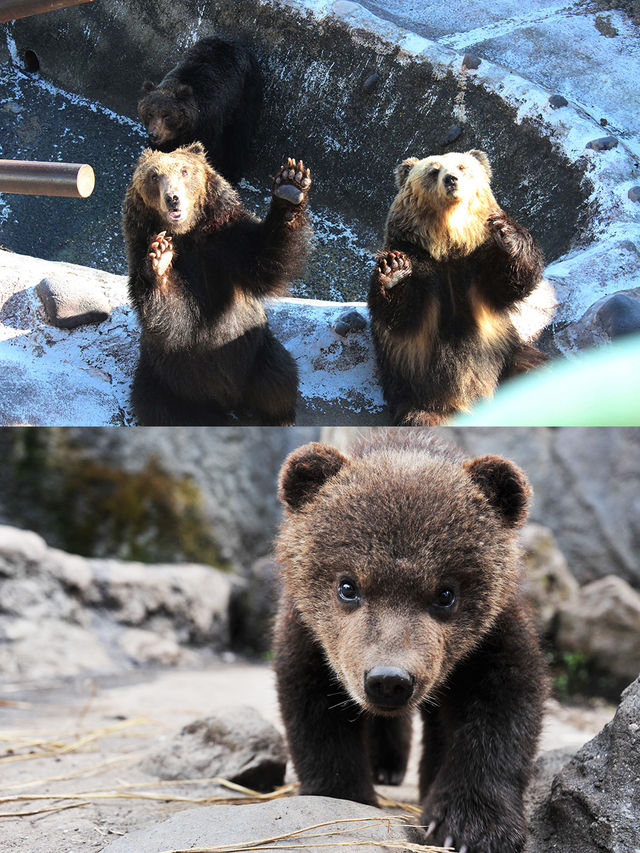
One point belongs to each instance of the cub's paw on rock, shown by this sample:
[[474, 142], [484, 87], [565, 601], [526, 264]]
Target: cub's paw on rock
[[392, 268], [292, 182], [161, 255], [471, 828]]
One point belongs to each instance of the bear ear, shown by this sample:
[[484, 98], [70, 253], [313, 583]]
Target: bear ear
[[403, 169], [148, 86], [183, 91], [504, 485], [482, 158], [305, 471], [195, 148], [148, 152]]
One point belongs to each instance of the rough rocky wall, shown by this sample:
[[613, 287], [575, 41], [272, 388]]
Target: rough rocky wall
[[347, 101], [586, 488], [235, 469]]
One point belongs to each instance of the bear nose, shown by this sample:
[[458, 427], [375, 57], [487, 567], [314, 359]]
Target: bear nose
[[172, 200], [388, 686], [450, 180]]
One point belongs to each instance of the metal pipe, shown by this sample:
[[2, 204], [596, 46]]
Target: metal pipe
[[32, 178], [12, 9]]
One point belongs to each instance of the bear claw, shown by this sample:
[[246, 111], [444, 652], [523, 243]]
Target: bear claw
[[392, 268], [161, 254], [292, 182]]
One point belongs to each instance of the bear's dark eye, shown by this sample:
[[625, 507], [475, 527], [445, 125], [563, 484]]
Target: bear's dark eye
[[348, 591], [184, 172], [445, 599], [154, 177], [462, 167]]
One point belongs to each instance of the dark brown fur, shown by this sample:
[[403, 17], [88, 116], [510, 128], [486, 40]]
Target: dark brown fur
[[405, 518], [206, 349], [440, 298]]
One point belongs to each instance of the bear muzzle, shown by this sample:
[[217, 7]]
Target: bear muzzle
[[388, 687]]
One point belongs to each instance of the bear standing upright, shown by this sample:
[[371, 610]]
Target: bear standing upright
[[199, 267], [400, 570], [212, 96], [440, 296]]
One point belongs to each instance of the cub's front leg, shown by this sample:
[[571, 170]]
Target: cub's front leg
[[326, 730]]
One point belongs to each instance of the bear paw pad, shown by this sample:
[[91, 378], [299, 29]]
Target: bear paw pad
[[392, 268], [292, 182], [161, 254]]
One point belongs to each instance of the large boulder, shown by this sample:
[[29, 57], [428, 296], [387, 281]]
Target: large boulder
[[595, 799], [62, 615], [548, 579]]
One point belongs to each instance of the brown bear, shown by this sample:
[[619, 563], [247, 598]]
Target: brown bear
[[212, 96], [200, 266], [400, 571], [440, 297]]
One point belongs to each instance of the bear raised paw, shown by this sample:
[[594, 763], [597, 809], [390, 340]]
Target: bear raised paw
[[392, 268], [292, 183], [161, 255]]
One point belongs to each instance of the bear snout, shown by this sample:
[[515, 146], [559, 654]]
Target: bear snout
[[172, 201], [388, 686], [450, 182]]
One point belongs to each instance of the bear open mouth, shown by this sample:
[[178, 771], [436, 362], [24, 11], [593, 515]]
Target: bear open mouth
[[176, 215]]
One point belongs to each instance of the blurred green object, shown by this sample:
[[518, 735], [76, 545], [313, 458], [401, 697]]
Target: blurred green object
[[600, 387]]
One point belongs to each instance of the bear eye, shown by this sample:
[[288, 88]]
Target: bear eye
[[445, 599], [462, 167], [348, 591], [154, 177], [184, 172]]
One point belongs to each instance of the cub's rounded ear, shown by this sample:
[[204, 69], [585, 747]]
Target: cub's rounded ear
[[403, 169], [305, 471], [183, 91], [148, 86], [482, 158], [504, 485], [195, 148]]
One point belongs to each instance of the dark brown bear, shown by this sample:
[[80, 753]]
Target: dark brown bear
[[440, 298], [199, 267], [401, 566], [212, 96]]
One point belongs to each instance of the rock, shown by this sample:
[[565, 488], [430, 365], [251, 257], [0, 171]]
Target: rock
[[610, 317], [470, 61], [603, 143], [147, 647], [71, 303], [61, 614], [349, 321], [634, 194], [371, 83], [254, 608], [595, 800], [603, 623], [242, 826], [236, 744], [548, 580], [620, 314], [557, 101], [453, 133]]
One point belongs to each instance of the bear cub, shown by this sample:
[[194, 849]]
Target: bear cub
[[213, 96], [400, 571], [200, 266], [454, 267]]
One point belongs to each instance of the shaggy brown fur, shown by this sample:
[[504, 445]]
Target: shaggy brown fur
[[400, 574], [199, 267], [441, 294]]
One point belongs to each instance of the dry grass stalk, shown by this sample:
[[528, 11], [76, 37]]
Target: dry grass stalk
[[365, 824], [42, 811]]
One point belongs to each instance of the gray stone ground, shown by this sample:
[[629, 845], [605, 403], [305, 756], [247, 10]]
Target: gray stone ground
[[146, 711]]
